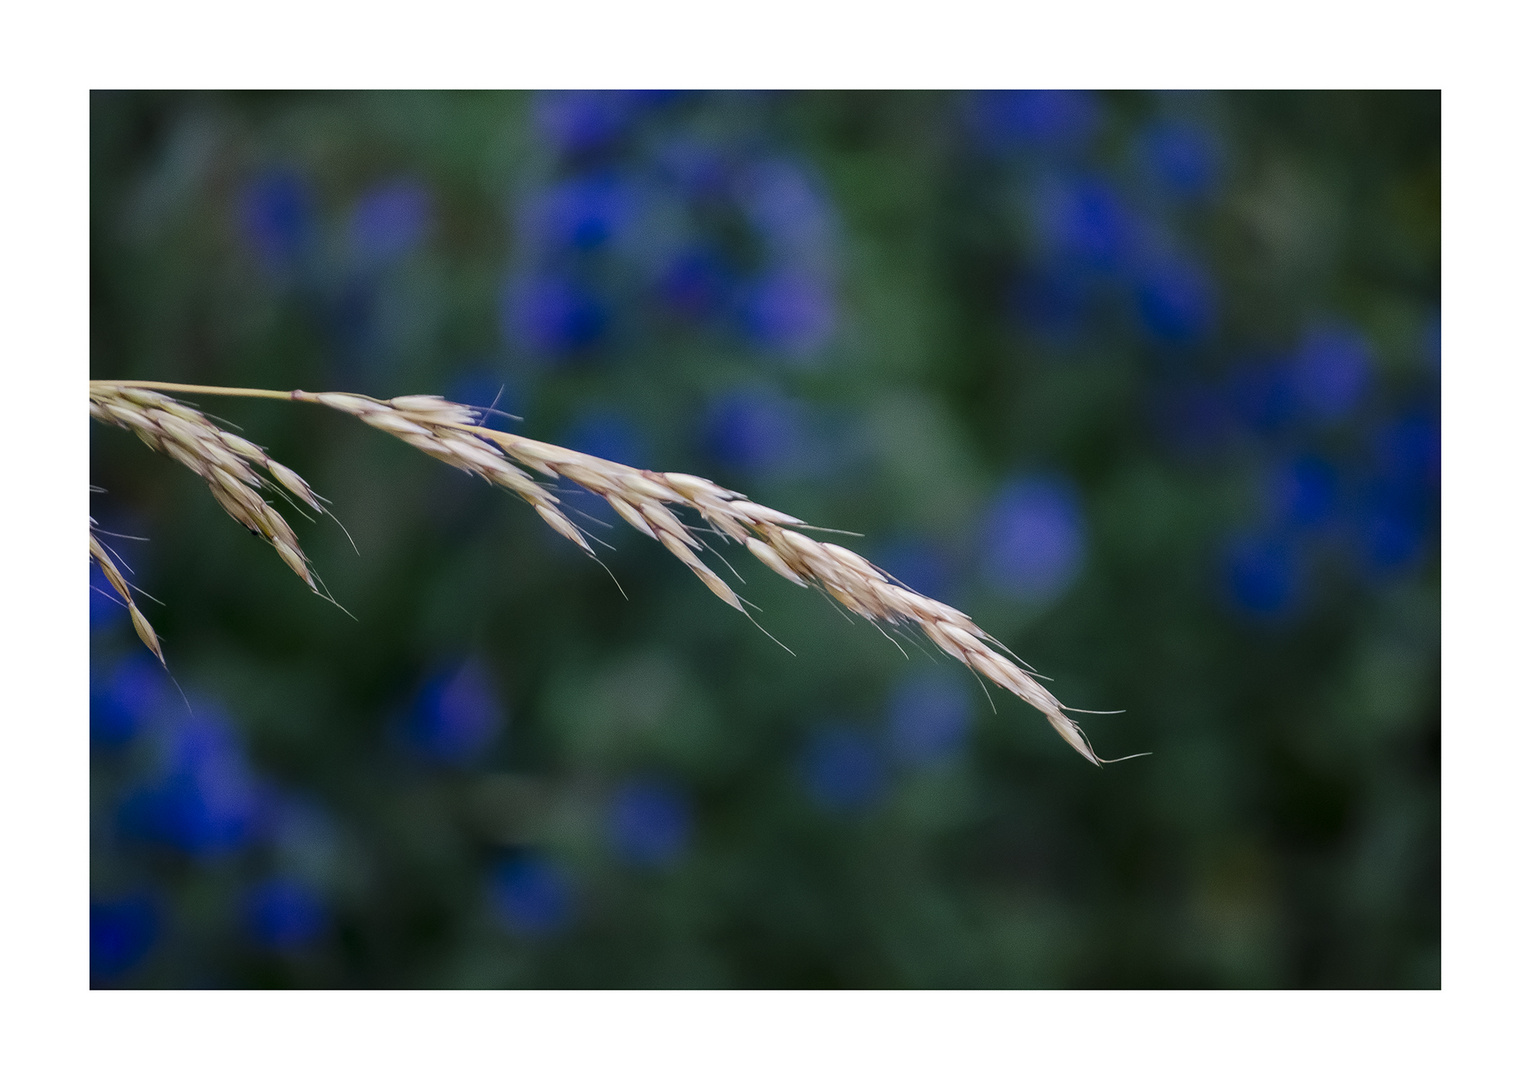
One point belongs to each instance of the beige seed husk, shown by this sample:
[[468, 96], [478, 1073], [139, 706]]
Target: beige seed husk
[[562, 525], [767, 554], [114, 576], [145, 632], [447, 431], [680, 550], [756, 512], [718, 586], [668, 524], [718, 517], [188, 437], [853, 562], [640, 483], [631, 515]]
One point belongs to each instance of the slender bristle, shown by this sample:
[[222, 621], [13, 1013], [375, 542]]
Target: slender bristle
[[114, 576]]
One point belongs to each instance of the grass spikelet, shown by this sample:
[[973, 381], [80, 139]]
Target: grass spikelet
[[217, 456], [451, 433], [767, 554], [114, 576]]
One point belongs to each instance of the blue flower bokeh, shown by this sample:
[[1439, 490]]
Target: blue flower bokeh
[[126, 699], [1056, 120], [1083, 222], [204, 800], [278, 218], [532, 895], [1183, 157], [122, 932], [1332, 372], [919, 563], [584, 122], [606, 433], [284, 913], [793, 314], [456, 716], [754, 430], [1304, 492], [724, 234], [1052, 299], [1264, 395], [841, 769], [1264, 576], [390, 220], [553, 316], [697, 281], [581, 214], [1033, 538], [649, 822], [928, 717], [1176, 300]]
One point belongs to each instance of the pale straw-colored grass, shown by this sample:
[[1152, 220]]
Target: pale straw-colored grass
[[114, 577], [219, 457], [452, 433]]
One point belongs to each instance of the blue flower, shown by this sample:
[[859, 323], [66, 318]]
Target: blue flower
[[918, 563], [205, 801], [1407, 450], [579, 122], [1182, 157], [754, 430], [929, 717], [582, 214], [607, 434], [790, 313], [284, 913], [552, 315], [532, 895], [456, 716], [1304, 492], [1332, 372], [277, 219], [1176, 300], [1052, 299], [1264, 395], [122, 931], [1388, 531], [696, 282], [1035, 119], [841, 770], [702, 172], [649, 822], [790, 214], [1084, 221], [123, 703], [390, 220], [1193, 418], [1263, 575], [1034, 539], [661, 99]]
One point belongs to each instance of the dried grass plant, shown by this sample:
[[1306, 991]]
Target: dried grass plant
[[454, 434]]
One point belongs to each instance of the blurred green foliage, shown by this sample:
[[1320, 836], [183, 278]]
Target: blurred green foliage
[[647, 791]]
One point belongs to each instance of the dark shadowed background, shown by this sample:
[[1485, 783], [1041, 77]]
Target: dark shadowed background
[[1147, 383]]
